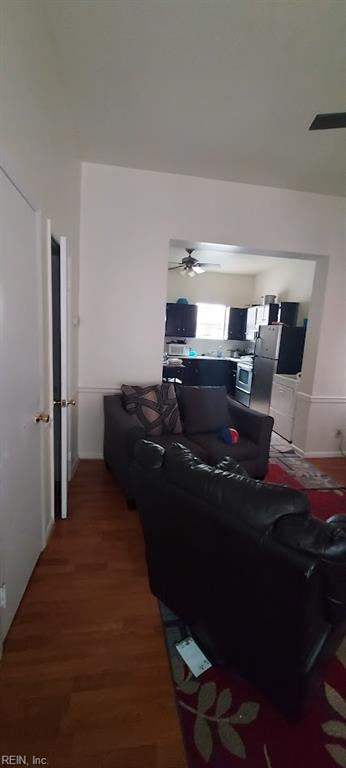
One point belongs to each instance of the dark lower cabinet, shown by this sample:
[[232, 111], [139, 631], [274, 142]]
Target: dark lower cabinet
[[214, 373], [181, 320], [190, 375], [210, 373], [233, 378]]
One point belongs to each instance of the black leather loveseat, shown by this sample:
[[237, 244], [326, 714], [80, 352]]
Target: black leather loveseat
[[260, 582], [203, 410]]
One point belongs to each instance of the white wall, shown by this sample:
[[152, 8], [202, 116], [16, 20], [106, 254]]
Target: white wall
[[289, 280], [128, 218], [37, 148], [213, 287]]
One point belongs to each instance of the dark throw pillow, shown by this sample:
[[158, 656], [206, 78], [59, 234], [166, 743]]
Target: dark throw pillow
[[204, 409], [155, 406], [170, 410], [145, 403]]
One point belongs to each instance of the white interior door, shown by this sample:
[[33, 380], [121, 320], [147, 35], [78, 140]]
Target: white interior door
[[64, 375], [21, 393]]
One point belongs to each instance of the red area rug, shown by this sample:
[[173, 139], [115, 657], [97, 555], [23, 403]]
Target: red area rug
[[227, 723], [323, 503]]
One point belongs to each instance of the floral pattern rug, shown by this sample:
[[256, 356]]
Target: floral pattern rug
[[228, 723]]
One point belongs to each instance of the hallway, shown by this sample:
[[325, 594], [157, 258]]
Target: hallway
[[84, 678]]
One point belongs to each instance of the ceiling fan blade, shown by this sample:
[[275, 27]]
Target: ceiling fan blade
[[328, 120], [198, 269], [208, 264], [170, 269]]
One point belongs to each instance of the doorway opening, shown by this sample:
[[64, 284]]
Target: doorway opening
[[56, 336], [59, 386]]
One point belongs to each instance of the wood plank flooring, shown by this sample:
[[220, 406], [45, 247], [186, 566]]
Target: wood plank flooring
[[84, 680], [335, 467]]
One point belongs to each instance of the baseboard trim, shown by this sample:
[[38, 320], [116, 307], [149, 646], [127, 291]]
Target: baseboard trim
[[317, 454], [90, 455], [323, 455], [49, 531], [73, 467]]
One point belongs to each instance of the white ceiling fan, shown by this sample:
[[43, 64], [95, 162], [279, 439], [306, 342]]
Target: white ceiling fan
[[191, 266]]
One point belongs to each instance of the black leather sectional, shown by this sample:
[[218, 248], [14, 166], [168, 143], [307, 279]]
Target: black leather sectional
[[260, 581]]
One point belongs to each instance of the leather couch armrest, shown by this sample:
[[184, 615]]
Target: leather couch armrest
[[123, 427], [326, 541], [251, 424]]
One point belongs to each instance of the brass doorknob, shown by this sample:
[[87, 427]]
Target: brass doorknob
[[42, 417], [64, 403]]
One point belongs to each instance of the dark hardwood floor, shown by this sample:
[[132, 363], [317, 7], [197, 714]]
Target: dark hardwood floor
[[84, 678], [335, 467]]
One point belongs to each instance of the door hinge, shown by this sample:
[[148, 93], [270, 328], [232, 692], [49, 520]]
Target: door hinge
[[3, 596]]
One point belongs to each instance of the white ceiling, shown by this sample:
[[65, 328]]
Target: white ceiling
[[223, 89], [230, 262]]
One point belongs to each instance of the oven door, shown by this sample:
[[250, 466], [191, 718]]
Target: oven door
[[244, 378]]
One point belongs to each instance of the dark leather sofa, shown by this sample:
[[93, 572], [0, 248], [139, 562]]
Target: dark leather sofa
[[122, 431], [260, 582]]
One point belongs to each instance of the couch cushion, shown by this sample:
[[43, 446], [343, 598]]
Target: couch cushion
[[204, 409], [155, 406], [217, 450], [167, 440]]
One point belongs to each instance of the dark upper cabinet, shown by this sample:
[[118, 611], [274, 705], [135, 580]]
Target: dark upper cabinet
[[289, 312], [237, 324], [181, 320]]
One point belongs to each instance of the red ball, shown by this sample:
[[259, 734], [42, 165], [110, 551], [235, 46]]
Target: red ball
[[234, 434]]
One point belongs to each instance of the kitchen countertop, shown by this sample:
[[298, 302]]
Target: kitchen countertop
[[208, 357]]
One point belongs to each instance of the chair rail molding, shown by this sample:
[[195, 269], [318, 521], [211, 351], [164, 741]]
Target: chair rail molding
[[331, 400], [91, 390]]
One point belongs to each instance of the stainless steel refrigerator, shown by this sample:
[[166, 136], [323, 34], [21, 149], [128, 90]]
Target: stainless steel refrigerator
[[278, 349]]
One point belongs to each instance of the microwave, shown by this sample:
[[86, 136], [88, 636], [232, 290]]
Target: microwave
[[178, 350]]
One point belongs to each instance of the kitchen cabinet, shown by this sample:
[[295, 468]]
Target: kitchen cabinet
[[214, 373], [190, 375], [233, 378], [260, 314], [237, 323], [289, 312], [210, 373], [283, 403], [181, 320]]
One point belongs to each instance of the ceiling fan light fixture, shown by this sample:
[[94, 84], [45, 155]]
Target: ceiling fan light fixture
[[191, 272]]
